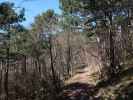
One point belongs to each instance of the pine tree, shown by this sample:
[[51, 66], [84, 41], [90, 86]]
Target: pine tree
[[8, 20]]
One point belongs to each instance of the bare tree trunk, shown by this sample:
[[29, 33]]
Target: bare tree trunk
[[24, 65], [54, 80], [112, 56], [1, 68], [7, 68], [39, 65], [68, 55], [6, 75], [51, 58]]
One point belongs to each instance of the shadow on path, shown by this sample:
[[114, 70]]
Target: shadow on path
[[78, 91]]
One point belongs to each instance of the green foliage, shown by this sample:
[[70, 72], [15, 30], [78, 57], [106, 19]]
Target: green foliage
[[8, 14], [68, 22], [9, 21], [94, 7], [45, 22]]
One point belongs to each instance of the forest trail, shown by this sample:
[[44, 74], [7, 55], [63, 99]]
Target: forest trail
[[80, 87], [78, 91], [82, 76]]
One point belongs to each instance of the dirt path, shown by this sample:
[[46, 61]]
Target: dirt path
[[78, 91], [82, 77], [79, 87]]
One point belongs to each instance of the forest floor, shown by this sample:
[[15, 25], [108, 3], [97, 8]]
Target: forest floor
[[83, 87]]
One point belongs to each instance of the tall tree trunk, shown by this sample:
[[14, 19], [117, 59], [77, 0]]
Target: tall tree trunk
[[1, 68], [7, 68], [51, 58], [6, 74], [39, 65], [54, 80], [112, 56], [68, 55], [24, 65]]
